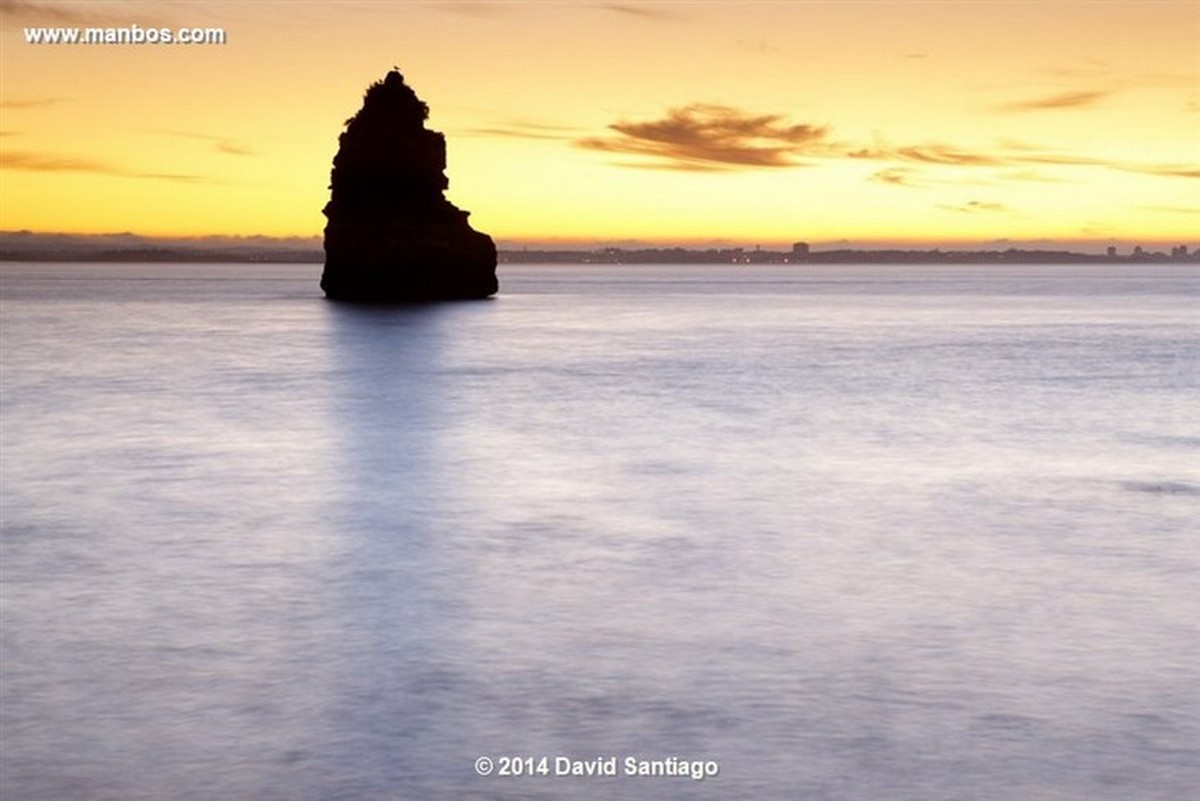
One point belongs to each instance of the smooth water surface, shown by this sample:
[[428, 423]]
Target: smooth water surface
[[853, 533]]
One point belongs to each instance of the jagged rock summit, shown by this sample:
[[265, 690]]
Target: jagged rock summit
[[391, 235]]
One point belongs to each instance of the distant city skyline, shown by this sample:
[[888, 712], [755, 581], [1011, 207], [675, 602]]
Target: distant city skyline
[[28, 245], [580, 125]]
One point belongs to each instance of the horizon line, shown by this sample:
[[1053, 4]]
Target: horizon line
[[585, 244]]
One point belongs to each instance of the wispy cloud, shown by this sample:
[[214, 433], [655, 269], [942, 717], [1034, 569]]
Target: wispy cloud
[[1013, 155], [934, 154], [14, 11], [706, 136], [641, 10], [920, 178], [40, 162], [1062, 100], [1166, 170], [44, 162], [39, 102], [1060, 159], [234, 149], [474, 9], [1087, 68], [1173, 209], [896, 176], [18, 13], [755, 46], [515, 133], [712, 137], [976, 207], [220, 143], [527, 130]]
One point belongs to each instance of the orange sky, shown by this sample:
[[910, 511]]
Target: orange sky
[[759, 123]]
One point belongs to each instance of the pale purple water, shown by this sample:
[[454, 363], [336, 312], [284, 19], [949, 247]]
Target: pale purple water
[[852, 533]]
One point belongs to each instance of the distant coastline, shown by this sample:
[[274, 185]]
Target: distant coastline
[[840, 256], [38, 247]]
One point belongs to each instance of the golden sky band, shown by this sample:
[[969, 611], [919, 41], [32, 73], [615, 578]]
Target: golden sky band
[[885, 124]]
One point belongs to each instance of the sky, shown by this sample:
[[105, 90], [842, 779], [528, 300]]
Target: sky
[[861, 122]]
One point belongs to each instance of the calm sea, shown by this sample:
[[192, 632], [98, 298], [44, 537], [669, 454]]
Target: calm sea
[[850, 533]]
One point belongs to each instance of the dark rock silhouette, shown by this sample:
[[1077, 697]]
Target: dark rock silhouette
[[391, 235]]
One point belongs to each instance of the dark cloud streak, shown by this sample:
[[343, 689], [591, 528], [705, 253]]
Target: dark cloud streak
[[945, 154], [1063, 100], [711, 136], [40, 102], [895, 176], [234, 149], [41, 162], [641, 11], [527, 130], [1165, 170], [220, 143]]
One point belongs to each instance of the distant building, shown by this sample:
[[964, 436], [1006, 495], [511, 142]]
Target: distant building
[[1112, 251], [800, 251], [1180, 253]]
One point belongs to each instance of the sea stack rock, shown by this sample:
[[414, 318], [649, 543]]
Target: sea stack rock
[[391, 235]]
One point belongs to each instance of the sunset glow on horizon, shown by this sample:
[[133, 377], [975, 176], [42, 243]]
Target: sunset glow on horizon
[[914, 123]]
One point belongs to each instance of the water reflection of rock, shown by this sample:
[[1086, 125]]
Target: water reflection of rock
[[391, 234], [395, 713]]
